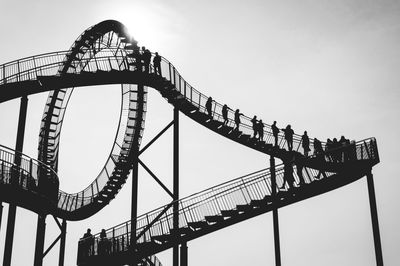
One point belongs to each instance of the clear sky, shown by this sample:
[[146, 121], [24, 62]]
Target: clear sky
[[328, 67]]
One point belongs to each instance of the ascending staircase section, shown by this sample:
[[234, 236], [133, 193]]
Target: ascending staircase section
[[223, 205]]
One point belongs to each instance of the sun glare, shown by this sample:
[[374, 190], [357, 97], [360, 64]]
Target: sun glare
[[141, 24]]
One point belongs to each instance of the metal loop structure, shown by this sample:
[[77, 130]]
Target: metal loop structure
[[106, 54]]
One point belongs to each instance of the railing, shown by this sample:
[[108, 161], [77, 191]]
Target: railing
[[26, 173], [226, 196], [114, 59]]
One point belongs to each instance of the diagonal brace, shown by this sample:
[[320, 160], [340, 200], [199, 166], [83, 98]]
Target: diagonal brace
[[156, 178], [52, 245], [156, 137], [155, 220]]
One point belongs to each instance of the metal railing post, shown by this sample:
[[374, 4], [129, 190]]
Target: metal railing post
[[275, 213]]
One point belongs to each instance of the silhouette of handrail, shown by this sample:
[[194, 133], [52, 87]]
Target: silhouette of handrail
[[227, 196]]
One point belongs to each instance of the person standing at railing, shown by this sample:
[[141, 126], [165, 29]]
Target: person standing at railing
[[225, 113], [104, 244], [260, 130], [237, 119], [317, 147], [299, 162], [275, 132], [209, 106], [87, 244], [157, 64], [289, 136], [254, 123], [305, 142], [146, 57], [288, 175]]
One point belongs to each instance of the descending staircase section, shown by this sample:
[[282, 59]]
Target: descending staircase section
[[226, 204]]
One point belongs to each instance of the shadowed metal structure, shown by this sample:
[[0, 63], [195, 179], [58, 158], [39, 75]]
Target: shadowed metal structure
[[106, 54]]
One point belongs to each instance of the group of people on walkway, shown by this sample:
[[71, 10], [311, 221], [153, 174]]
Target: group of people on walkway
[[143, 57], [87, 244]]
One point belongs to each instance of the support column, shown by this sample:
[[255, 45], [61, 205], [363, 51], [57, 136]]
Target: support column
[[176, 184], [184, 254], [40, 234], [1, 212], [62, 243], [134, 204], [374, 218], [275, 213], [12, 209]]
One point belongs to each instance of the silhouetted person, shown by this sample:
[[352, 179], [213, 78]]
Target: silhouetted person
[[209, 106], [225, 113], [288, 175], [254, 123], [299, 168], [305, 143], [275, 132], [237, 119], [317, 147], [138, 59], [157, 64], [329, 147], [260, 129], [87, 243], [146, 57], [289, 136], [104, 244]]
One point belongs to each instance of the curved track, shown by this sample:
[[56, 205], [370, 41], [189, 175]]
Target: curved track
[[105, 54]]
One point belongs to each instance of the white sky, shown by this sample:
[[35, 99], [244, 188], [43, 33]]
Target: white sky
[[328, 67]]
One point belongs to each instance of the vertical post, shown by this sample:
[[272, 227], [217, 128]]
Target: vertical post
[[275, 213], [62, 243], [1, 212], [184, 254], [176, 184], [40, 234], [12, 209], [374, 218], [134, 203]]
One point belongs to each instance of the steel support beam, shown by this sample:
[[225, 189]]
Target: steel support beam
[[40, 234], [176, 184], [62, 243], [275, 213], [374, 218], [1, 212], [12, 209], [184, 254], [134, 203]]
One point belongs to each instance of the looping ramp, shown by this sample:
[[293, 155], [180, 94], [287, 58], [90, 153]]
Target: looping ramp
[[105, 54]]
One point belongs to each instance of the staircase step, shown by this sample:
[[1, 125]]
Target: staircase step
[[244, 208], [181, 231], [214, 218], [259, 203], [198, 225], [161, 238], [229, 213], [235, 134]]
